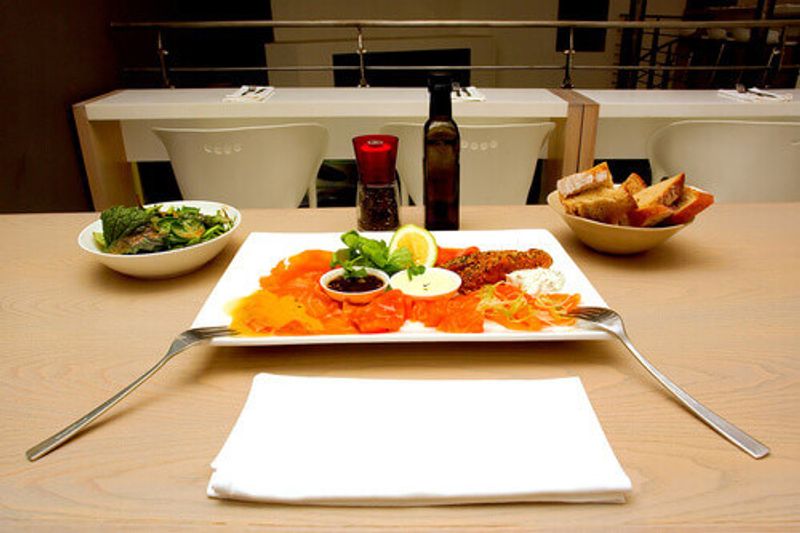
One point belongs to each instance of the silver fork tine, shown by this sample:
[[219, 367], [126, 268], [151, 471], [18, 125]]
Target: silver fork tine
[[611, 322], [184, 340]]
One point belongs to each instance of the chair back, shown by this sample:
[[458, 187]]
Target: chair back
[[497, 161], [735, 160], [255, 166]]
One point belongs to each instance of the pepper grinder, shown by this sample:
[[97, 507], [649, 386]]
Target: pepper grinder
[[377, 196]]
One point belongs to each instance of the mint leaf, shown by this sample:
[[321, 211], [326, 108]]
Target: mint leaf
[[415, 270], [120, 221], [400, 260], [363, 252]]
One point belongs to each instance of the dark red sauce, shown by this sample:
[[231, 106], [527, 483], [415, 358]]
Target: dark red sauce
[[363, 284]]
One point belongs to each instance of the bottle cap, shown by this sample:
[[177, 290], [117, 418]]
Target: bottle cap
[[376, 156]]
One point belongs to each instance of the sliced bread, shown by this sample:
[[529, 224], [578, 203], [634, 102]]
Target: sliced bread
[[691, 202], [664, 193], [634, 183], [599, 176], [603, 204]]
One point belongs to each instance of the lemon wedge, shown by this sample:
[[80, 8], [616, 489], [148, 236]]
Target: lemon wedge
[[419, 242]]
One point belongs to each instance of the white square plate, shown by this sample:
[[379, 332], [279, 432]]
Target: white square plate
[[262, 251]]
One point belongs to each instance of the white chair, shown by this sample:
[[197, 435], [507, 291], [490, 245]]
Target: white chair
[[737, 161], [255, 166], [497, 161]]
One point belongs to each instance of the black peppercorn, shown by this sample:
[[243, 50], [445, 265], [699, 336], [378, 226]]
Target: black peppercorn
[[377, 207]]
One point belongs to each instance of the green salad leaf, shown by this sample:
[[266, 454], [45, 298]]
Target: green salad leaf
[[119, 221], [133, 230]]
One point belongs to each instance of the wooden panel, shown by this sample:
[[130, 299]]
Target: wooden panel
[[111, 179], [591, 112], [564, 143]]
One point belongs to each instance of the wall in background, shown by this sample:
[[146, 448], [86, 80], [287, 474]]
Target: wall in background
[[55, 53], [510, 46]]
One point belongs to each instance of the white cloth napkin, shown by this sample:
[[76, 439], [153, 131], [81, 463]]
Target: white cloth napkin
[[468, 94], [249, 93], [337, 441], [753, 97]]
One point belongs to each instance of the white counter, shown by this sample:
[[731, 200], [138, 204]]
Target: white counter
[[144, 104], [346, 112], [640, 103], [628, 117]]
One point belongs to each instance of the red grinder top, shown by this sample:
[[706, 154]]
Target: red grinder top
[[376, 156]]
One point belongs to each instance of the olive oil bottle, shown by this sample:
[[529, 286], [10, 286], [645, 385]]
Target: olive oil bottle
[[440, 160]]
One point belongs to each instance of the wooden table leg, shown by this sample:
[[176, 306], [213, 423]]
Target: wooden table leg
[[111, 179], [571, 145]]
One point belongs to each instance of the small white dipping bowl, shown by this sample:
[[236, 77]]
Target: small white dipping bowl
[[354, 297], [170, 263]]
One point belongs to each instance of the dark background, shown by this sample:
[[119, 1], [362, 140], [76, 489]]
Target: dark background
[[56, 53]]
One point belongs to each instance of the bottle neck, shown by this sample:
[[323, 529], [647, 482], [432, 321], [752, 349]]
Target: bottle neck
[[440, 103]]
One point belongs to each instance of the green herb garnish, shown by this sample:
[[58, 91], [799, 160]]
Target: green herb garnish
[[363, 252], [415, 270]]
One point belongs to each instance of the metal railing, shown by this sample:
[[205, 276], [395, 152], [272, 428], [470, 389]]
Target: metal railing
[[774, 65]]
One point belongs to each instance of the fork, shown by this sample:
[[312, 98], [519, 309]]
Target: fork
[[182, 342], [610, 321]]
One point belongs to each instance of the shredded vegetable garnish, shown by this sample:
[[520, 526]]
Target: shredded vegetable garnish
[[509, 306]]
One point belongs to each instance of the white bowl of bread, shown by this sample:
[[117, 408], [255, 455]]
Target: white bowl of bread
[[627, 218]]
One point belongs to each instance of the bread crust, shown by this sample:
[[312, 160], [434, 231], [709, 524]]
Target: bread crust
[[689, 205], [645, 217]]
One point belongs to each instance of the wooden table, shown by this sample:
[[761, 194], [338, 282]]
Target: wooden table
[[715, 308]]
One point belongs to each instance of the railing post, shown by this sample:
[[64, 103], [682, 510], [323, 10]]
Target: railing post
[[665, 74], [651, 74], [162, 59], [774, 67], [362, 70], [566, 83]]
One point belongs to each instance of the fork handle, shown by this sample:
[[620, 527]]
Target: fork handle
[[717, 423], [51, 443]]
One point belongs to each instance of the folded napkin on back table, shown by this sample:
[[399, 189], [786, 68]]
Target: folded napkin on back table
[[250, 93], [767, 97], [339, 441], [467, 94]]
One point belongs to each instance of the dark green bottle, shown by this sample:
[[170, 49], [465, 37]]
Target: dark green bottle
[[440, 160]]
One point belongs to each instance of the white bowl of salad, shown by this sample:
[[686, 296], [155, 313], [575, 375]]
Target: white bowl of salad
[[160, 240]]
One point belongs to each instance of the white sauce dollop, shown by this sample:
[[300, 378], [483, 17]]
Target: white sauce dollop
[[537, 280]]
